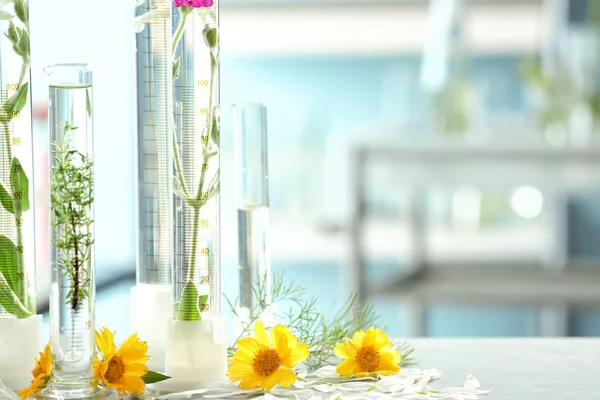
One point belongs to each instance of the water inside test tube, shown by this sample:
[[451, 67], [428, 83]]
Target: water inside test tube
[[253, 229]]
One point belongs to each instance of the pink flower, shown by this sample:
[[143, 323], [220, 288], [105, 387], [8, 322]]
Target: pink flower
[[193, 3]]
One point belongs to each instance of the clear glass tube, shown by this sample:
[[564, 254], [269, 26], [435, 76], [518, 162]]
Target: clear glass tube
[[196, 288], [17, 236], [151, 308], [71, 231], [154, 144], [252, 199]]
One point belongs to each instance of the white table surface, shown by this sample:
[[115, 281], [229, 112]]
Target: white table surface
[[517, 369]]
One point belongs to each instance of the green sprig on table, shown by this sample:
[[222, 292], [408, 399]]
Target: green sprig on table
[[309, 325]]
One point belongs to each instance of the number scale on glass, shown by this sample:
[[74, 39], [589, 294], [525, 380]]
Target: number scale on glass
[[155, 144], [6, 130], [197, 232]]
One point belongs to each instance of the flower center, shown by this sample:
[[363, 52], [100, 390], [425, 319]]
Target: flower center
[[115, 369], [266, 362], [367, 359]]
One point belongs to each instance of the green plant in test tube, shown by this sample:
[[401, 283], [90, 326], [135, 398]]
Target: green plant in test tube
[[17, 295], [196, 154]]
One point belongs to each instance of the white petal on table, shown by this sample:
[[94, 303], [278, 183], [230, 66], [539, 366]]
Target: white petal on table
[[471, 383]]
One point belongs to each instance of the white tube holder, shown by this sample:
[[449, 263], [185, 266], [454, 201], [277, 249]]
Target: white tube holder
[[151, 311], [20, 344], [196, 356]]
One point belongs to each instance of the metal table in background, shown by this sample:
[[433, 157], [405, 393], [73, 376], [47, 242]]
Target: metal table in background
[[418, 164]]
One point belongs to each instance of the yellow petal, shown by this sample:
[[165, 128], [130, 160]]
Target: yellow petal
[[381, 341], [46, 360], [105, 341], [247, 350], [297, 355], [250, 382], [286, 377], [261, 334], [388, 363], [36, 383], [347, 368], [283, 376], [99, 369], [237, 372], [279, 336], [357, 339], [344, 351], [133, 350], [369, 338], [131, 384], [135, 369]]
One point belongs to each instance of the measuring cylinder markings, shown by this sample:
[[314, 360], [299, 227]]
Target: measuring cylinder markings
[[154, 72]]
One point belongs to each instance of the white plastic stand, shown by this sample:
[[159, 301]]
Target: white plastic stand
[[151, 311], [20, 344], [196, 355]]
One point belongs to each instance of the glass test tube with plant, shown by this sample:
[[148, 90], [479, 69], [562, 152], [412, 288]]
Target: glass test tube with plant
[[20, 327], [17, 257], [196, 158]]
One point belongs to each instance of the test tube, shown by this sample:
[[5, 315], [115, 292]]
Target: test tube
[[197, 347], [71, 234], [20, 327], [151, 307], [252, 198]]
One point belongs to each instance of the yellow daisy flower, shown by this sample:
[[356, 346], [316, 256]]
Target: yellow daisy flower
[[41, 373], [121, 369], [368, 353], [260, 362]]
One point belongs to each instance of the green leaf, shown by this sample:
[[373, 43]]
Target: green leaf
[[5, 15], [23, 45], [17, 101], [10, 302], [20, 186], [215, 131], [8, 261], [187, 309], [153, 377], [22, 11], [88, 104], [6, 199], [202, 300], [11, 33]]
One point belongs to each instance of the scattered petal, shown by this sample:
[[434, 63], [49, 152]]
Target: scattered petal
[[471, 383]]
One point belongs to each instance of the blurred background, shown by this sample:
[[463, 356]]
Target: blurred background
[[440, 158]]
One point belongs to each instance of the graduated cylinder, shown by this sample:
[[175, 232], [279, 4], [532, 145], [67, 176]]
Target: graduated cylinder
[[71, 229], [20, 328], [197, 347], [151, 307]]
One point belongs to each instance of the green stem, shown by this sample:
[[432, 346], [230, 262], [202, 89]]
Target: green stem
[[183, 12], [178, 168], [24, 69], [197, 206]]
